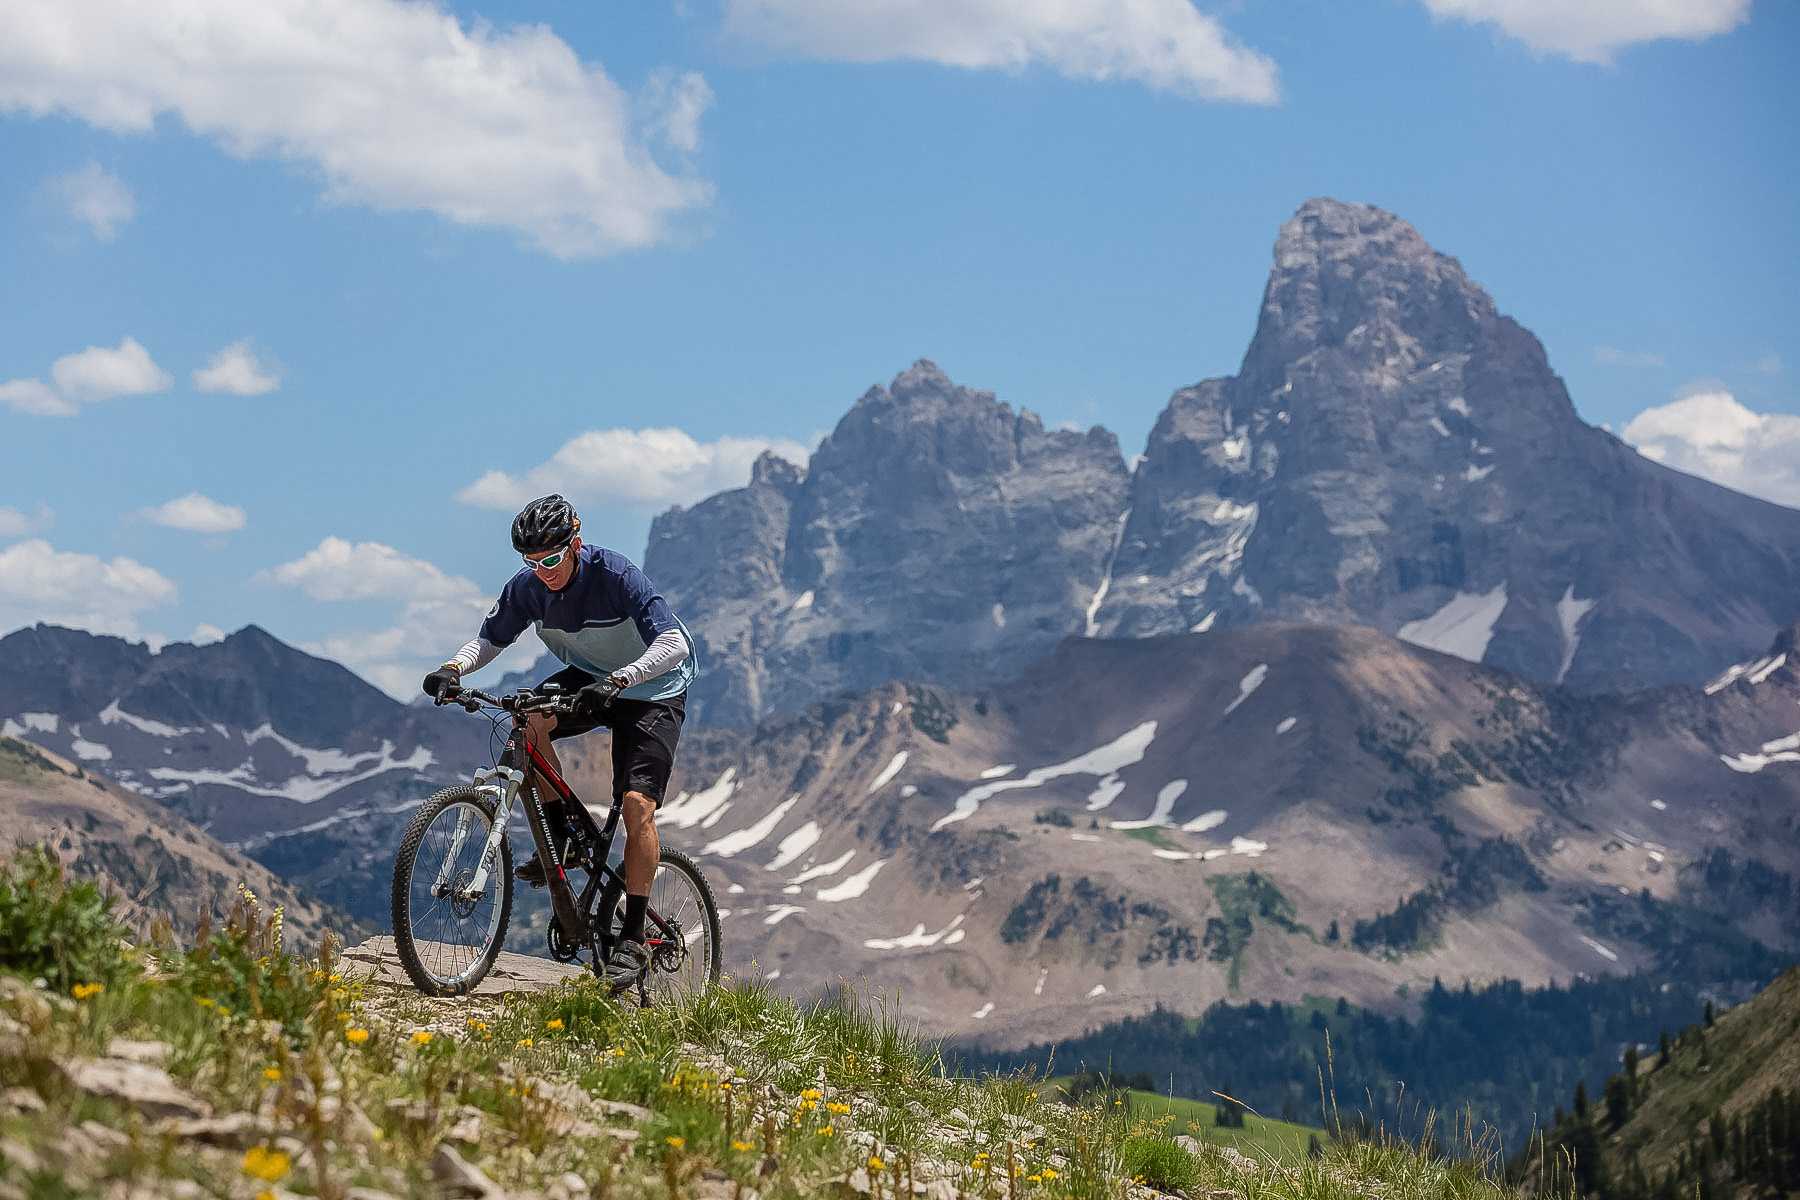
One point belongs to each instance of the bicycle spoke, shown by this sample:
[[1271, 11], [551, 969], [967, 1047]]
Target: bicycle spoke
[[450, 933]]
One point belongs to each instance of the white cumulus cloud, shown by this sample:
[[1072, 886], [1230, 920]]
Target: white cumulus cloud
[[398, 106], [1708, 433], [97, 198], [206, 635], [16, 523], [197, 514], [41, 583], [1592, 30], [236, 371], [645, 468], [337, 569], [1168, 45], [87, 377], [436, 612]]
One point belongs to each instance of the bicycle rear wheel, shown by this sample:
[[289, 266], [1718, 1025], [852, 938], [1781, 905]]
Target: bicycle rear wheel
[[446, 938], [689, 961]]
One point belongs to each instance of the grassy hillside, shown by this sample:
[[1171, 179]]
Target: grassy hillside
[[233, 1068], [1713, 1110], [1258, 1136], [160, 864]]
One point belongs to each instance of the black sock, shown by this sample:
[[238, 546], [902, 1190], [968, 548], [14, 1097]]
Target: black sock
[[634, 918]]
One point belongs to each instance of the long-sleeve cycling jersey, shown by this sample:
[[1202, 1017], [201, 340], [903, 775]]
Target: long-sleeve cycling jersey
[[605, 620]]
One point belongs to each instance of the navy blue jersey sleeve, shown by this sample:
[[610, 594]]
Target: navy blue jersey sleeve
[[639, 597], [508, 618]]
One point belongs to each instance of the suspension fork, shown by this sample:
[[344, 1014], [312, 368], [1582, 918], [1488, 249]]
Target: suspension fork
[[503, 783]]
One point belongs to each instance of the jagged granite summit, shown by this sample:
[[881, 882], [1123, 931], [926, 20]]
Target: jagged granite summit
[[1394, 452], [936, 534]]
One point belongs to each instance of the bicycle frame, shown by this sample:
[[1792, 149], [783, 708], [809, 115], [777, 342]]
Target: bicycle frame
[[570, 913]]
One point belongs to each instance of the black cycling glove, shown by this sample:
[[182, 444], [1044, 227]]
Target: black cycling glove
[[444, 680], [592, 700]]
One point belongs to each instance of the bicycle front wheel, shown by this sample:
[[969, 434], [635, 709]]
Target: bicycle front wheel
[[684, 957], [446, 934]]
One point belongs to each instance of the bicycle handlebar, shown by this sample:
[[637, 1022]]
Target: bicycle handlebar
[[519, 704]]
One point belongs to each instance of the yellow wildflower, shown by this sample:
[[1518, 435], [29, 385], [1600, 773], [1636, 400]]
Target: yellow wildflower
[[875, 1163], [1036, 1178], [1049, 1173], [272, 1074], [617, 1052], [725, 1086], [827, 1131], [476, 1025], [421, 1037], [677, 1142], [553, 1024], [811, 1094], [357, 1036], [83, 991], [260, 1162], [837, 1108], [206, 1002], [265, 1194], [526, 1043], [737, 1145], [808, 1105]]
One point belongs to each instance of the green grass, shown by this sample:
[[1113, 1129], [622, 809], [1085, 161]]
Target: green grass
[[356, 1086], [1260, 1137], [1154, 837]]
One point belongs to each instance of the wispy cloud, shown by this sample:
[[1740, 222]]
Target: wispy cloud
[[1611, 356], [41, 583], [1707, 432], [197, 514], [1168, 45], [395, 105], [1593, 30], [236, 371], [87, 377], [97, 198], [673, 104], [16, 523], [435, 612], [643, 468], [1768, 364]]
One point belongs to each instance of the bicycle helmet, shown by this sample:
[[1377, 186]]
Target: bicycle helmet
[[544, 524]]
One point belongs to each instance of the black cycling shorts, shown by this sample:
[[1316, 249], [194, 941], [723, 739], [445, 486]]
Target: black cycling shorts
[[644, 735]]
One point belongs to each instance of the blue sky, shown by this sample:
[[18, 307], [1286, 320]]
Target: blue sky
[[731, 218]]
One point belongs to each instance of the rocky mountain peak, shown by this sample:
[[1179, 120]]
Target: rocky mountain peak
[[1355, 278], [937, 532], [773, 471]]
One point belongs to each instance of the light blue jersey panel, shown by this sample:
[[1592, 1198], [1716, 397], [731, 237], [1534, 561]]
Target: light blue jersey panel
[[602, 647]]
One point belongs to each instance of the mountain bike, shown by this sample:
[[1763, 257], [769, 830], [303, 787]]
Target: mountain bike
[[453, 877]]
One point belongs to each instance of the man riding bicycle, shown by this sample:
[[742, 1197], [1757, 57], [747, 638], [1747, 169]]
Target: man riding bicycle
[[629, 663]]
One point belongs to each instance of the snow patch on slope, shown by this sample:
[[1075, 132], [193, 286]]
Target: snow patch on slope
[[1570, 612], [795, 844], [1107, 760], [1165, 804], [1247, 685], [112, 714], [751, 835], [852, 887], [888, 772], [1463, 627], [688, 811]]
